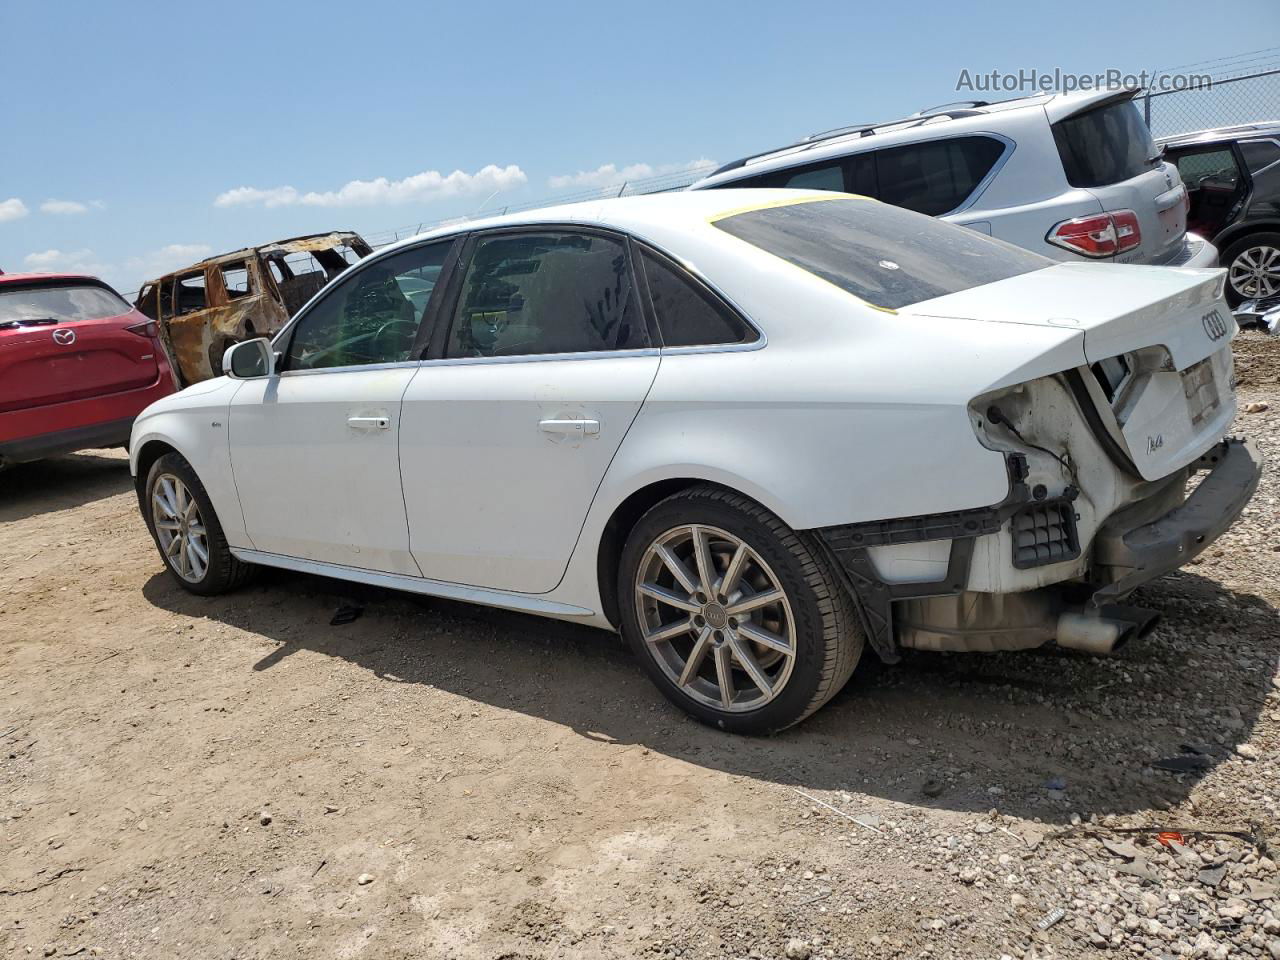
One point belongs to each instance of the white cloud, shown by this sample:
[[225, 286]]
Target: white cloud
[[246, 196], [12, 209], [608, 174], [71, 261], [428, 185], [158, 262], [64, 207]]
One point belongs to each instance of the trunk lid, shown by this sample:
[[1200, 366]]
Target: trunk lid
[[1172, 326]]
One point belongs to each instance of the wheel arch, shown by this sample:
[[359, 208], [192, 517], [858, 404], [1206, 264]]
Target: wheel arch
[[147, 454], [1238, 231], [627, 514]]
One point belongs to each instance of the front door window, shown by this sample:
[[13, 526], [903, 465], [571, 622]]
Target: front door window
[[374, 316]]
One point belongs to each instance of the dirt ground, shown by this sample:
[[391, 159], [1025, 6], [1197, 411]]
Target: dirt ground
[[236, 778]]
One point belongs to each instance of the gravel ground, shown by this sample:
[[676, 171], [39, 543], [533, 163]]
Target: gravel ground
[[234, 777]]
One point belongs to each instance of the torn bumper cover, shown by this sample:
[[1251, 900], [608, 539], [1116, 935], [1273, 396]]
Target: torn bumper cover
[[1132, 547], [1134, 555]]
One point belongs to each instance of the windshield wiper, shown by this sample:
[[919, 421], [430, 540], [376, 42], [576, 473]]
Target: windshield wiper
[[28, 322]]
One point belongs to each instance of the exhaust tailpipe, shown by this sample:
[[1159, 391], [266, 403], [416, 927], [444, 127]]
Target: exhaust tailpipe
[[1104, 632]]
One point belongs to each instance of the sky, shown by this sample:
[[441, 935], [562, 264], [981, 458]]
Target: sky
[[138, 138]]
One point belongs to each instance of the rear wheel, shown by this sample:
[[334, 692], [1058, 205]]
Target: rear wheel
[[1253, 267], [734, 617], [186, 529]]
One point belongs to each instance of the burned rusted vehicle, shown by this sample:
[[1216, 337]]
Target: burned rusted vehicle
[[206, 307]]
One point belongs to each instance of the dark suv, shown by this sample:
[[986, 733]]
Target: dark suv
[[1232, 175]]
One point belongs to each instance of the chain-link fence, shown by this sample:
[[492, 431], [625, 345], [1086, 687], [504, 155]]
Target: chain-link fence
[[1227, 101]]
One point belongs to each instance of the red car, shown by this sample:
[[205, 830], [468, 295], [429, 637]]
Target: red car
[[77, 364]]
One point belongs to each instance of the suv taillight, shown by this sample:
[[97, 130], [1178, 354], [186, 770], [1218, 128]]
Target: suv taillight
[[145, 329], [1098, 235]]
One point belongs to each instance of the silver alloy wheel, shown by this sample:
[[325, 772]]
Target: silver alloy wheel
[[1255, 272], [715, 618], [180, 528]]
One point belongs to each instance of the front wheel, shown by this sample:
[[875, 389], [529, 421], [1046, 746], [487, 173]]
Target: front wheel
[[186, 529], [735, 618]]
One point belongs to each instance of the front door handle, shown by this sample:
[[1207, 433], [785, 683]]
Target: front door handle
[[369, 423], [573, 428]]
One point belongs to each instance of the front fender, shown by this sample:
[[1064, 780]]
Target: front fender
[[194, 423]]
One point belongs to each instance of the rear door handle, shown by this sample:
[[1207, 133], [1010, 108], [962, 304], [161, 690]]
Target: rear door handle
[[573, 428], [369, 423]]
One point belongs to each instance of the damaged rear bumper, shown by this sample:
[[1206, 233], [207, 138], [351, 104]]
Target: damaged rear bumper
[[1133, 555], [1136, 545]]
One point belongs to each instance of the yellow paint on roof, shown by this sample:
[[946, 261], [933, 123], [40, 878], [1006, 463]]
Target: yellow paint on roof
[[788, 202], [792, 201]]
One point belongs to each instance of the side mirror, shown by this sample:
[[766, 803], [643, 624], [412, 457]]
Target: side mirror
[[249, 360]]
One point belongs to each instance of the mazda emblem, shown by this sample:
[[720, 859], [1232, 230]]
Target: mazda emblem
[[1214, 325], [64, 337]]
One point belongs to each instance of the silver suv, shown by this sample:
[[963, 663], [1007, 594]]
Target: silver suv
[[1071, 176]]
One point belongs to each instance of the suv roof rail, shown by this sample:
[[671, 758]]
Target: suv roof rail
[[963, 108], [1235, 128], [954, 103]]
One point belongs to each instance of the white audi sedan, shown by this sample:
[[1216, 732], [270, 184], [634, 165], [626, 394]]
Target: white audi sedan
[[757, 431]]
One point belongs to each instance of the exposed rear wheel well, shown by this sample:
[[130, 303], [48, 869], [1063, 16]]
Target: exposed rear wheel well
[[619, 527]]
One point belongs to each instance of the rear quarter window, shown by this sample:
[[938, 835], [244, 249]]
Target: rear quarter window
[[935, 177], [884, 255]]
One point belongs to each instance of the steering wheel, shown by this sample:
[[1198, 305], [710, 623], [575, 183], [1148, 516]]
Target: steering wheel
[[389, 326]]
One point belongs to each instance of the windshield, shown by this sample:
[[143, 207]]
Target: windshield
[[1105, 145], [884, 255], [61, 302]]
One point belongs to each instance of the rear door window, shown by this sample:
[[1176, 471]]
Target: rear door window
[[553, 292], [886, 256], [937, 176], [235, 278], [828, 177], [1105, 145], [688, 314]]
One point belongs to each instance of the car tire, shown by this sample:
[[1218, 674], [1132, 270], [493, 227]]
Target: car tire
[[1258, 246], [186, 530], [803, 645]]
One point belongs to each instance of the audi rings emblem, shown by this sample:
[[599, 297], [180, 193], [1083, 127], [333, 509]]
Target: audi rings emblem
[[64, 337], [1214, 325]]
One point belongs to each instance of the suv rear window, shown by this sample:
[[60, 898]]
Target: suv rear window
[[1105, 145], [61, 302], [884, 255]]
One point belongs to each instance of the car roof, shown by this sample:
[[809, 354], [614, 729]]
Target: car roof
[[1056, 106], [303, 244], [638, 215], [36, 277], [1242, 131]]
